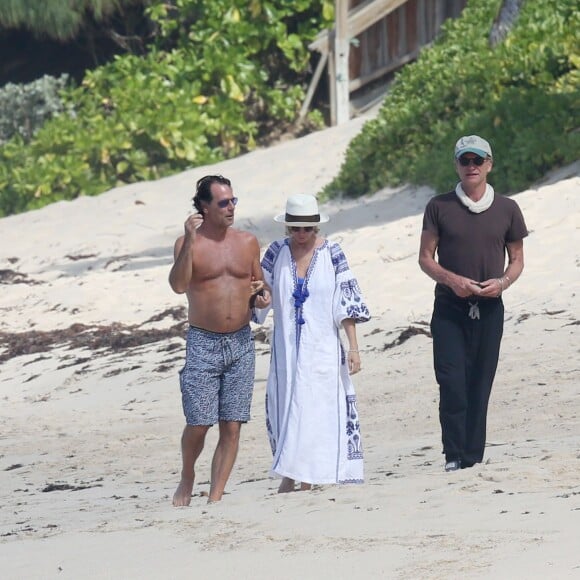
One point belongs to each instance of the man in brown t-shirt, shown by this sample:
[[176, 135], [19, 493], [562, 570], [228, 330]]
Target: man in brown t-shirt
[[471, 229]]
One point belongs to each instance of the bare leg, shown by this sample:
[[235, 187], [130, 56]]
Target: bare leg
[[192, 442], [286, 485], [305, 486], [224, 458]]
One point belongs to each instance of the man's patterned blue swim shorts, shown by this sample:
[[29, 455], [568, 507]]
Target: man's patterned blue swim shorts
[[217, 380]]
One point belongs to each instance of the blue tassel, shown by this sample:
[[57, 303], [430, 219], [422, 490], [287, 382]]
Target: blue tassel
[[299, 299]]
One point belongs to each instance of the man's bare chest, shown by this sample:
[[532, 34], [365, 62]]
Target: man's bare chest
[[221, 260]]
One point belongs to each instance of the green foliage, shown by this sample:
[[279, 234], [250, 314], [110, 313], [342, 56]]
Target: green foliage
[[58, 19], [219, 75], [522, 95], [25, 108]]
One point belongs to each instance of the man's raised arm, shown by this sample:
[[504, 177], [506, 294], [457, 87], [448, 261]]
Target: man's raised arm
[[182, 270]]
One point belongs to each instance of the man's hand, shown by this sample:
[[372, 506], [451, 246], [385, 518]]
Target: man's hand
[[263, 299], [191, 225], [260, 297], [464, 287], [491, 288]]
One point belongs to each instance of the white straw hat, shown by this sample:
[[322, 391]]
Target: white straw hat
[[301, 210]]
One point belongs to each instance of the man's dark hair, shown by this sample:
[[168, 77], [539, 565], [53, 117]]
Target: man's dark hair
[[203, 189]]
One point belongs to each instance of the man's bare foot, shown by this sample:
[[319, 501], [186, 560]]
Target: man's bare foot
[[182, 495], [305, 486], [286, 485]]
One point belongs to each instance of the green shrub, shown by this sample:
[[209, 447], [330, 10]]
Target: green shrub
[[25, 108], [521, 95], [218, 76]]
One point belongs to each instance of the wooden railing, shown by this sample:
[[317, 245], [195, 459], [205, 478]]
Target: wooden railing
[[397, 39]]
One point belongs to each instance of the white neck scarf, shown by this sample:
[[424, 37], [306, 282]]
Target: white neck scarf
[[475, 206]]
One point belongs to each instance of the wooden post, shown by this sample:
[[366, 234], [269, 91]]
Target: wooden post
[[440, 15], [312, 87], [332, 77], [341, 52]]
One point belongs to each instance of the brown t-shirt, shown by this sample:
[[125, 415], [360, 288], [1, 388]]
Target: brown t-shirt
[[473, 244]]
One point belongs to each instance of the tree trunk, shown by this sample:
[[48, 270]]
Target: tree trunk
[[504, 21]]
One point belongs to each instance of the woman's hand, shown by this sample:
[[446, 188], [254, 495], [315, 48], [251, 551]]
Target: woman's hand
[[256, 286], [353, 358]]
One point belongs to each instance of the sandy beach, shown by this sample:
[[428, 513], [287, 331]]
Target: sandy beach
[[91, 340]]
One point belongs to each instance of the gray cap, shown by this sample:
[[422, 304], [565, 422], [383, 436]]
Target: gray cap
[[472, 144]]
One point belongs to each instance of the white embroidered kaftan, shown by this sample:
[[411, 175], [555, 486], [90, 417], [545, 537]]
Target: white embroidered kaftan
[[311, 411]]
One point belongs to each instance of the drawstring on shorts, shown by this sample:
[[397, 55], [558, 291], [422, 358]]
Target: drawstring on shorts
[[226, 346]]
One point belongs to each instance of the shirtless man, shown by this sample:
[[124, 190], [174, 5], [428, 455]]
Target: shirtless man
[[218, 268]]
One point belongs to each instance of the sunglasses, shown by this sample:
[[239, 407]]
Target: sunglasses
[[298, 228], [223, 203], [477, 160]]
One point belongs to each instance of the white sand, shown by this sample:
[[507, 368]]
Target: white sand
[[109, 423]]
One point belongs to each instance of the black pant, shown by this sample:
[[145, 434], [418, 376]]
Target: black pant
[[466, 342]]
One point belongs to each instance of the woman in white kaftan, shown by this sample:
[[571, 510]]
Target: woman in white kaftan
[[311, 410]]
